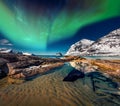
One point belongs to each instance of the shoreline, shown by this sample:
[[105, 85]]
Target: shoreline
[[22, 66]]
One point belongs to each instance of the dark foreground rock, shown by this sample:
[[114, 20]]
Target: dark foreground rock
[[3, 68], [2, 74], [74, 75]]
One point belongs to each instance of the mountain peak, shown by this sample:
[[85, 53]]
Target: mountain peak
[[79, 46], [108, 45]]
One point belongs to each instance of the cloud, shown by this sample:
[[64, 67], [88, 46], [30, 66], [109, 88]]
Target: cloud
[[5, 42]]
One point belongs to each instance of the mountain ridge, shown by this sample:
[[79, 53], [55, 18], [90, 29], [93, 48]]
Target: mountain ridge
[[108, 45]]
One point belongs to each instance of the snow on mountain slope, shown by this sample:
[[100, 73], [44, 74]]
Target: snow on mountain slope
[[79, 47], [5, 50], [108, 45]]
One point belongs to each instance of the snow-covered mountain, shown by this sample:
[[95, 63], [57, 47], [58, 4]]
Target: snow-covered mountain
[[27, 54], [80, 47], [108, 45], [5, 50]]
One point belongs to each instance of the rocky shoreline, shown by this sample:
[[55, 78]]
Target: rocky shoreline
[[18, 66]]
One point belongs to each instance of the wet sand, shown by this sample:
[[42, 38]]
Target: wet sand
[[50, 90]]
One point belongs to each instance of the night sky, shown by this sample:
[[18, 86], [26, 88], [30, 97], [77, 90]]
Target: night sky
[[49, 26]]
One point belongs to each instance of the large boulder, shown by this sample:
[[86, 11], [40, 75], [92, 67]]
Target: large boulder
[[74, 75], [59, 54]]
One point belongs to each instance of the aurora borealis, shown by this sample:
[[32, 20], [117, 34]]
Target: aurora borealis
[[34, 24]]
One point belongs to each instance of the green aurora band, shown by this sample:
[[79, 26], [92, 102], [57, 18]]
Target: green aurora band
[[30, 30]]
